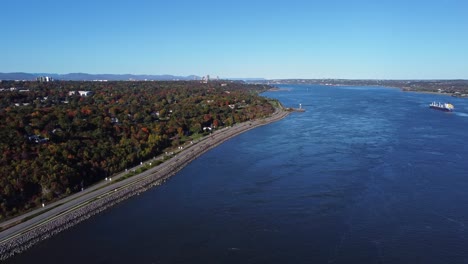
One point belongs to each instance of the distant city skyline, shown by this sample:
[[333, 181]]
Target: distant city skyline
[[360, 39]]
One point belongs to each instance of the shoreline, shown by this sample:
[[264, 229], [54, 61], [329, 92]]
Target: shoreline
[[434, 93], [456, 94], [24, 235]]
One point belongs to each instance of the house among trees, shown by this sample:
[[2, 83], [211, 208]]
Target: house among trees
[[37, 139], [85, 93], [81, 93]]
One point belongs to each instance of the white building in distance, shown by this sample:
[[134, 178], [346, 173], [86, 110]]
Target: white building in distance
[[44, 79]]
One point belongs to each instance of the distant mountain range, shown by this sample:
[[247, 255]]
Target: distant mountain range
[[92, 77]]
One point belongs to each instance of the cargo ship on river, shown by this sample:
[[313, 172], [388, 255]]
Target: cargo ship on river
[[446, 107]]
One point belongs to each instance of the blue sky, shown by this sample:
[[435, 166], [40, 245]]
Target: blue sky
[[271, 39]]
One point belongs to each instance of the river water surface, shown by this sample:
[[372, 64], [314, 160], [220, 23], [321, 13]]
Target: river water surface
[[365, 175]]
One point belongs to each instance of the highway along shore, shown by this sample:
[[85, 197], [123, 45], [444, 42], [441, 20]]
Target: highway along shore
[[22, 232]]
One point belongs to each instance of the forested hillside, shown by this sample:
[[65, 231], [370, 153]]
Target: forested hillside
[[56, 137]]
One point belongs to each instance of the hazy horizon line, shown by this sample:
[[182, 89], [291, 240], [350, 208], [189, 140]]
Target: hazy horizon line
[[239, 78]]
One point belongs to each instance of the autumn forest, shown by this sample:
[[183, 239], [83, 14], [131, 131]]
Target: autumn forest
[[58, 137]]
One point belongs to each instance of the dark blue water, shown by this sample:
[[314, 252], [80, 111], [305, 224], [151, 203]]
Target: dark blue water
[[365, 175]]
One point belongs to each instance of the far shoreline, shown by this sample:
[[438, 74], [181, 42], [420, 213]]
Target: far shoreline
[[455, 94]]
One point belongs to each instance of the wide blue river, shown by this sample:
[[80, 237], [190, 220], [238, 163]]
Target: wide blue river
[[365, 175]]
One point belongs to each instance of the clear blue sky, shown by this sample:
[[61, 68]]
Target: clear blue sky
[[398, 39]]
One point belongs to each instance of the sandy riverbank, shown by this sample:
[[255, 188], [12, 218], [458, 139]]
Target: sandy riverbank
[[19, 238]]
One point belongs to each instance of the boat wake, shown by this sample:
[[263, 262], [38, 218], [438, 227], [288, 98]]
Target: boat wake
[[461, 114]]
